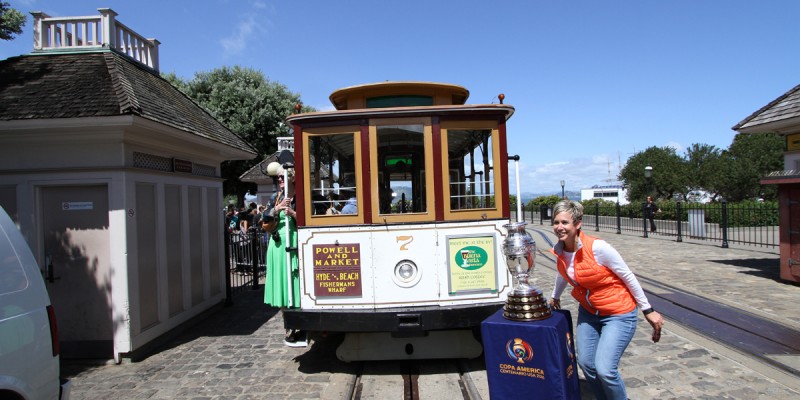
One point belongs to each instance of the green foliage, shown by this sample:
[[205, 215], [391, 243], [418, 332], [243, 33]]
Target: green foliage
[[249, 105], [534, 204], [750, 157], [705, 163], [748, 213], [11, 21], [733, 174], [599, 206], [670, 174]]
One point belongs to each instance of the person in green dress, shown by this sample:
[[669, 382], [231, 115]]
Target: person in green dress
[[276, 288]]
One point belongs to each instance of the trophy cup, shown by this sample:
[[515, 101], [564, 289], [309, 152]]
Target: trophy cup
[[525, 302]]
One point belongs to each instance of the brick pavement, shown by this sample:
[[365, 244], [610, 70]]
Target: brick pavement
[[238, 352]]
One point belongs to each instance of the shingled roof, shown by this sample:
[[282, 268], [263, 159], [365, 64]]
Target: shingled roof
[[778, 115], [101, 83]]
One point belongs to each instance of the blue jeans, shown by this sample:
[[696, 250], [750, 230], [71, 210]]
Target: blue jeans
[[600, 342]]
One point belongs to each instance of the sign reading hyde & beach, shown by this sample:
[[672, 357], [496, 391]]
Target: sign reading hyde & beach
[[472, 263], [337, 269]]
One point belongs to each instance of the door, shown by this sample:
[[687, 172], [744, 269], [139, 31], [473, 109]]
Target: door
[[77, 267]]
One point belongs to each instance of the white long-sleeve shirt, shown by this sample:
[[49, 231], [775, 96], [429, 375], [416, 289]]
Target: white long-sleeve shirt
[[609, 257]]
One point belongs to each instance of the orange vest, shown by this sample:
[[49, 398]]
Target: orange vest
[[598, 289]]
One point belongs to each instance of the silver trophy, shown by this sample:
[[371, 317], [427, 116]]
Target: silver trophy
[[525, 302]]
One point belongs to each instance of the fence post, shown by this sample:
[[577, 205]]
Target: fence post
[[644, 219], [619, 220], [542, 211], [679, 220], [228, 294], [724, 224], [254, 256], [597, 217]]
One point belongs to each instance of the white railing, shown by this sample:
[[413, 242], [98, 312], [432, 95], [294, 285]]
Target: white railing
[[286, 143], [68, 33]]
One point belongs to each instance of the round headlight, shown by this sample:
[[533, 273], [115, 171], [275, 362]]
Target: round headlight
[[406, 273]]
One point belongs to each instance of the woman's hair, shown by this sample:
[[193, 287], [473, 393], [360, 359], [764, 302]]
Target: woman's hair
[[573, 207]]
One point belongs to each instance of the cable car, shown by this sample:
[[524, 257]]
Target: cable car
[[402, 194]]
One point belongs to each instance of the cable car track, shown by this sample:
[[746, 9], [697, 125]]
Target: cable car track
[[756, 337], [415, 378]]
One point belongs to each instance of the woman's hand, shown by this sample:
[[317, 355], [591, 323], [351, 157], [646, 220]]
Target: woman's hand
[[555, 304], [283, 205], [656, 321], [286, 207]]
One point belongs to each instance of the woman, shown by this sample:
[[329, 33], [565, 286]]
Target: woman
[[608, 293], [276, 293]]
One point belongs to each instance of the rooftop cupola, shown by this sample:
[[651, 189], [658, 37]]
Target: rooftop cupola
[[92, 32]]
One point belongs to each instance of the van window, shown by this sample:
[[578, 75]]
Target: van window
[[12, 277]]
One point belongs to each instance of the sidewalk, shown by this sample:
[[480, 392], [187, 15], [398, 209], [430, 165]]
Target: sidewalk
[[238, 352]]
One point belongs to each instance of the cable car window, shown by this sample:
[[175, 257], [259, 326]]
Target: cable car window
[[471, 173], [332, 174], [401, 169]]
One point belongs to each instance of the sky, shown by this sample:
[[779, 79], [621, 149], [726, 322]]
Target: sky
[[592, 82]]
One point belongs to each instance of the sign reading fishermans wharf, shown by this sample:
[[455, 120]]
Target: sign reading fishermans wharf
[[337, 269]]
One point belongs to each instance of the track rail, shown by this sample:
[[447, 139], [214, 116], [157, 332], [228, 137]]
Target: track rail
[[413, 380]]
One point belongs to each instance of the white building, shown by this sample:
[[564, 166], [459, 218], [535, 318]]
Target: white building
[[113, 177], [615, 193]]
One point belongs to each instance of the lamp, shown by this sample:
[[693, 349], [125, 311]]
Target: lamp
[[648, 174], [562, 189], [273, 168]]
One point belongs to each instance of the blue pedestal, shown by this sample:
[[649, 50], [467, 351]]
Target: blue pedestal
[[530, 360]]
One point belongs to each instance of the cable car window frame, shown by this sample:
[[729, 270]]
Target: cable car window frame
[[430, 201], [472, 213], [332, 219]]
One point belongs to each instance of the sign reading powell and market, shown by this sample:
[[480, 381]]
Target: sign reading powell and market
[[337, 269]]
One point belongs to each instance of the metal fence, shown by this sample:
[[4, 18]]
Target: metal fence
[[751, 225], [245, 261], [755, 225]]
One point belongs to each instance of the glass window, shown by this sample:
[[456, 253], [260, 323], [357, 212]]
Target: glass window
[[332, 174], [471, 173], [399, 101], [401, 169], [12, 277]]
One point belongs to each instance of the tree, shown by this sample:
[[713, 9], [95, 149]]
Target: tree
[[249, 105], [670, 174], [705, 162], [11, 21], [750, 157]]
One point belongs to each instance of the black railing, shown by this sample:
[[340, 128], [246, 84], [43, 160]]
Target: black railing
[[245, 261], [753, 225]]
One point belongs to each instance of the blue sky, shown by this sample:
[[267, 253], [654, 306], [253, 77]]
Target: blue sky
[[592, 82]]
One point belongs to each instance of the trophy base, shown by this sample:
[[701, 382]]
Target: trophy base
[[529, 307]]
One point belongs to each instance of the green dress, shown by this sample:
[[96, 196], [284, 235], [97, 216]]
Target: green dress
[[275, 292]]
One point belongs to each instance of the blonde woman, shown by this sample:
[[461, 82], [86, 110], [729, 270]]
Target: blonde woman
[[610, 297]]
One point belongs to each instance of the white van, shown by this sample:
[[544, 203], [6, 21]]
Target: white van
[[29, 361]]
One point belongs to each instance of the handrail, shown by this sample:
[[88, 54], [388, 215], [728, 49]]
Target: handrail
[[85, 32]]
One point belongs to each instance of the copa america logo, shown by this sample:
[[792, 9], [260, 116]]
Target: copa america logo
[[519, 350]]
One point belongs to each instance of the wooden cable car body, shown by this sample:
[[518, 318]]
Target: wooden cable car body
[[419, 265]]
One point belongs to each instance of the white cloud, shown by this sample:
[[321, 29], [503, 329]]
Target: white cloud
[[249, 30], [236, 43]]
